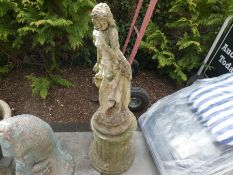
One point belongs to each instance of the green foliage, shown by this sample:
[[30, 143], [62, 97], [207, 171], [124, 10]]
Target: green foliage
[[39, 29], [61, 81], [41, 85], [48, 23], [4, 70], [43, 33], [183, 32]]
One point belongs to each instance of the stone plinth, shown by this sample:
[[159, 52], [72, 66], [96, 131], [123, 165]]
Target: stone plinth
[[112, 151]]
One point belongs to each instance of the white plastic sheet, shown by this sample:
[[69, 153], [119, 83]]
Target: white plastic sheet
[[179, 143]]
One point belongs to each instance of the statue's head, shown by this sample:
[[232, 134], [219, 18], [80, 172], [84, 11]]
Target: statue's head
[[102, 17], [25, 135], [34, 146]]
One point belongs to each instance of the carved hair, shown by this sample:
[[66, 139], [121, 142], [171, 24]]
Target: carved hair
[[102, 10]]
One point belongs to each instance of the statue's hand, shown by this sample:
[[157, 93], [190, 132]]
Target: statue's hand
[[96, 68], [97, 44]]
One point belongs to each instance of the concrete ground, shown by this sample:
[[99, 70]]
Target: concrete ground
[[5, 166], [77, 143]]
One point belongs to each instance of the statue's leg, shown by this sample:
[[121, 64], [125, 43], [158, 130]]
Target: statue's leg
[[103, 96]]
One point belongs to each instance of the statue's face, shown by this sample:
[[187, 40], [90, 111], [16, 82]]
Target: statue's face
[[100, 23]]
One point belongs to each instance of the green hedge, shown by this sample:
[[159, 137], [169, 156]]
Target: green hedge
[[44, 33], [41, 31], [47, 33], [181, 33]]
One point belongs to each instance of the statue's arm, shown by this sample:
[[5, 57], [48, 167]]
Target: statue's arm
[[123, 62], [114, 40], [115, 52], [113, 46], [98, 60]]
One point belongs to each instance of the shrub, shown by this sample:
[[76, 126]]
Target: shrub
[[40, 85], [42, 33], [181, 32], [43, 27], [4, 70]]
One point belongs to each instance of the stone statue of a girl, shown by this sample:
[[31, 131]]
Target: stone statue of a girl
[[113, 72], [113, 125]]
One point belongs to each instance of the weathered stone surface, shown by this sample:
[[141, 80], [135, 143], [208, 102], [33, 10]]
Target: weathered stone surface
[[5, 164], [35, 148], [112, 152], [77, 143], [5, 112], [113, 71], [113, 124], [5, 171]]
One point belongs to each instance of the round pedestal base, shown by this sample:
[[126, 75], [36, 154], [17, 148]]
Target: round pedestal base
[[109, 166], [112, 151]]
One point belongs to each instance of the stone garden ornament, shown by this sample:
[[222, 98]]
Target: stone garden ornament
[[113, 124], [5, 112], [34, 146]]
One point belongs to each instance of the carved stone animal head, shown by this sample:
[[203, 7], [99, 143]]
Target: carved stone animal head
[[34, 146]]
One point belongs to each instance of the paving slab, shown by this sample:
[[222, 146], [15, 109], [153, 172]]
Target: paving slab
[[77, 144], [5, 165]]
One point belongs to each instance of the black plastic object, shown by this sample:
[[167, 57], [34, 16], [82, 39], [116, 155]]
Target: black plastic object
[[193, 78], [135, 68], [139, 99], [1, 156]]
